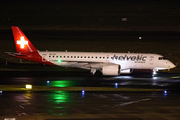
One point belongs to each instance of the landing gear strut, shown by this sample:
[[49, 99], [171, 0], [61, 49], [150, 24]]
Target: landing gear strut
[[93, 71], [154, 72]]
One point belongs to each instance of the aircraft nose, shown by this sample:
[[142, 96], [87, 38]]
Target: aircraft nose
[[171, 65]]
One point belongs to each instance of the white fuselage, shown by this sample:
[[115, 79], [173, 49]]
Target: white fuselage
[[89, 60]]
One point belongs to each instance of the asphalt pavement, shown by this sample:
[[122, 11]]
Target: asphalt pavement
[[87, 105]]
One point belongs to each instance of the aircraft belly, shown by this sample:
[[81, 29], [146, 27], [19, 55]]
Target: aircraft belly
[[73, 64]]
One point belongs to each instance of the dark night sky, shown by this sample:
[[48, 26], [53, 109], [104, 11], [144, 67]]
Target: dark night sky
[[90, 13], [38, 17]]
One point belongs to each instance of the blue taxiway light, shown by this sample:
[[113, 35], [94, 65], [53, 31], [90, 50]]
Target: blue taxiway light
[[83, 93], [116, 85], [165, 93]]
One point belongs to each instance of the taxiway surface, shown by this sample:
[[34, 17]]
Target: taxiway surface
[[54, 105]]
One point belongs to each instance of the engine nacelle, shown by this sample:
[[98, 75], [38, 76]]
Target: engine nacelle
[[111, 70], [127, 71]]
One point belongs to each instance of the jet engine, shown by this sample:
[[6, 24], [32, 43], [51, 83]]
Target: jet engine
[[127, 71], [111, 70]]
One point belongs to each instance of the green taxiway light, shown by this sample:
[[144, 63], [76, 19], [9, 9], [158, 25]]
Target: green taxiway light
[[60, 97], [61, 83]]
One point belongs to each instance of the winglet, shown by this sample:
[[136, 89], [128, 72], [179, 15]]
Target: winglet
[[23, 45]]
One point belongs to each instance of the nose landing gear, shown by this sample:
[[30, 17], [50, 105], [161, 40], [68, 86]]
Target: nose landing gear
[[154, 72]]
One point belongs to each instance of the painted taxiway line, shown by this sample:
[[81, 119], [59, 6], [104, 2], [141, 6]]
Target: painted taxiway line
[[48, 88]]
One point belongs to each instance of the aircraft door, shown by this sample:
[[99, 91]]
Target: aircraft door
[[44, 56], [151, 60], [107, 58]]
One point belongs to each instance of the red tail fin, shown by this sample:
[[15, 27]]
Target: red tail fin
[[23, 45]]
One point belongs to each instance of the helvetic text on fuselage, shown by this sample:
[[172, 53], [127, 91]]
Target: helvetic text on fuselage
[[137, 59]]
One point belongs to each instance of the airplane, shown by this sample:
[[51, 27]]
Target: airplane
[[109, 64]]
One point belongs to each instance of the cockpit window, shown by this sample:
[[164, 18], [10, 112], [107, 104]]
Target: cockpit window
[[162, 58]]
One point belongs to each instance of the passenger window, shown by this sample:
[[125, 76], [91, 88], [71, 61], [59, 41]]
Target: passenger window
[[60, 56], [49, 56], [71, 56], [74, 56], [67, 56], [56, 56], [64, 56]]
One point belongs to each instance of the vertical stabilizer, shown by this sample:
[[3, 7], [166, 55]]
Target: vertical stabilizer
[[23, 45]]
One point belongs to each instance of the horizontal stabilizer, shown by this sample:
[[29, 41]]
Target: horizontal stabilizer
[[14, 54]]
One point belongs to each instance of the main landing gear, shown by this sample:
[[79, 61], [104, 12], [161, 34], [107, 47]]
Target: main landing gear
[[93, 71]]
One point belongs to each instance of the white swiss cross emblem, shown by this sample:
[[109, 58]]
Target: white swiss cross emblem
[[22, 42]]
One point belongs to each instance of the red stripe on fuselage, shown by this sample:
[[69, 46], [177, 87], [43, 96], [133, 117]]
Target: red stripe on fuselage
[[34, 56]]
